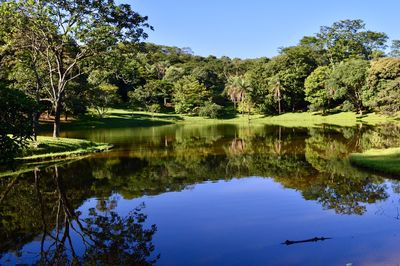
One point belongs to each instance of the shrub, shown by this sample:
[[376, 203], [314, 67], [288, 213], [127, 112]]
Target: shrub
[[154, 108], [211, 110]]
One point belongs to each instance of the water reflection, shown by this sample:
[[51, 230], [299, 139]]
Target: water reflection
[[44, 211], [45, 206]]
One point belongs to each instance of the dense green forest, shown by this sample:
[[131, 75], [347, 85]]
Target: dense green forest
[[67, 57]]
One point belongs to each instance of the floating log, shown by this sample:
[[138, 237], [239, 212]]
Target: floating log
[[315, 239]]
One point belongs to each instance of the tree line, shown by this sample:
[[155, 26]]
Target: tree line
[[65, 57]]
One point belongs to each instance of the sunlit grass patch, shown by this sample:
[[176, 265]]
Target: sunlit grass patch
[[47, 148], [124, 118], [386, 160]]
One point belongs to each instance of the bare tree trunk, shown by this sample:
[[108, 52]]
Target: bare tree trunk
[[279, 106], [34, 125], [248, 113], [57, 118]]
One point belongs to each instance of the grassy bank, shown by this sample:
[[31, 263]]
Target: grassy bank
[[48, 148], [305, 119], [120, 118], [385, 161]]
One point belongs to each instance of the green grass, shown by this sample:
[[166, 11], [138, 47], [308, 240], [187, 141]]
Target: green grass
[[385, 160], [121, 118], [55, 148], [117, 118], [305, 119], [47, 151]]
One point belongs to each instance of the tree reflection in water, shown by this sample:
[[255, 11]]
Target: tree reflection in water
[[106, 237], [310, 161]]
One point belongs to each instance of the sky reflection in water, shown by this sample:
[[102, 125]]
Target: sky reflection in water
[[218, 195]]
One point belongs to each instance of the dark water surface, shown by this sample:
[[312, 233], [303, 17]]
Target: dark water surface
[[207, 195]]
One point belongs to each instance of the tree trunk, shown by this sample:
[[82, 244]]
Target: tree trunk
[[35, 124], [279, 106], [57, 118]]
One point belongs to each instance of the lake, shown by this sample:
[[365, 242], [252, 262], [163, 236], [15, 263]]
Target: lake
[[207, 195]]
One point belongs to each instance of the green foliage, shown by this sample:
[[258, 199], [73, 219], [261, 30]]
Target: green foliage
[[16, 122], [154, 108], [348, 39], [76, 100], [174, 73], [348, 82], [153, 92], [395, 48], [322, 72], [383, 90], [211, 110], [60, 39], [238, 89], [189, 95], [316, 89], [103, 97], [279, 84]]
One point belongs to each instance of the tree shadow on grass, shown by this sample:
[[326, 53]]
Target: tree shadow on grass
[[171, 117], [329, 112], [228, 115], [115, 121]]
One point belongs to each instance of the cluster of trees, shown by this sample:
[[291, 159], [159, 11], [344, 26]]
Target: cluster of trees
[[343, 67], [68, 56], [50, 50]]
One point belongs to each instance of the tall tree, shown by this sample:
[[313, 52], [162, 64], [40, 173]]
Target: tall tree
[[68, 35], [348, 83], [348, 38], [395, 48], [277, 90], [237, 88], [316, 89]]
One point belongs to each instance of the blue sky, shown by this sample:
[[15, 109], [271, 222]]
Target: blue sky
[[255, 28]]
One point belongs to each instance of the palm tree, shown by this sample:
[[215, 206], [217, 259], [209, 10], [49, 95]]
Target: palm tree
[[277, 90], [237, 89]]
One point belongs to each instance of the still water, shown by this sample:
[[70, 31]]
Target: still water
[[207, 195]]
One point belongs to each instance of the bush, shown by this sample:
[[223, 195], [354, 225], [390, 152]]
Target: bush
[[347, 106], [211, 110], [190, 95], [154, 108], [16, 123]]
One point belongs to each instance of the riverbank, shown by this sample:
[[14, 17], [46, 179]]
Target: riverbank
[[122, 118], [49, 148], [47, 151], [382, 160]]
